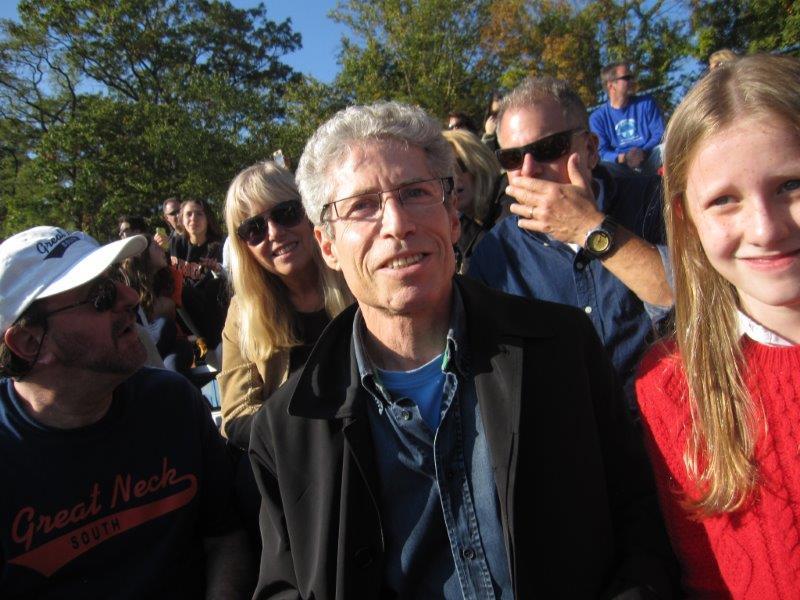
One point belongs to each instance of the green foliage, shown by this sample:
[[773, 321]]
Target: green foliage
[[425, 52], [112, 106], [744, 25]]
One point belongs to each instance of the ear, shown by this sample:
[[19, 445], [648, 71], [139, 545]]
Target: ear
[[327, 246], [24, 341]]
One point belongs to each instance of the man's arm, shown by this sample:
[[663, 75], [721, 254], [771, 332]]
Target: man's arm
[[567, 212], [655, 125], [276, 576], [598, 126], [228, 566]]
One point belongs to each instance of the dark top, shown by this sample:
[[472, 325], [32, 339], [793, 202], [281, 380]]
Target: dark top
[[308, 327], [118, 508]]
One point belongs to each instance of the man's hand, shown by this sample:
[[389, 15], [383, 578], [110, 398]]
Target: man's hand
[[634, 158], [161, 240], [564, 211]]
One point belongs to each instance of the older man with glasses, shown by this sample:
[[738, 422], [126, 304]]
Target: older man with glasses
[[115, 480], [443, 440], [582, 237], [629, 126]]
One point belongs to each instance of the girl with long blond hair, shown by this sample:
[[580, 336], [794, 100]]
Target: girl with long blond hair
[[720, 401], [284, 294]]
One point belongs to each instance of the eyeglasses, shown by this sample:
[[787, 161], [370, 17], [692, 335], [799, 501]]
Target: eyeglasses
[[173, 213], [102, 296], [627, 77], [546, 149], [411, 196], [286, 214]]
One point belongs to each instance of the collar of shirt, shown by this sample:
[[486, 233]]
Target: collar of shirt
[[456, 357], [758, 333]]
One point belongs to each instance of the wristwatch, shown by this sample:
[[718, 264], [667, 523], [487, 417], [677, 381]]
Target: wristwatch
[[600, 240]]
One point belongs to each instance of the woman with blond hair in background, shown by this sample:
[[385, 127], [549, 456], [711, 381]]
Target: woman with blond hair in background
[[721, 400], [284, 294], [476, 190]]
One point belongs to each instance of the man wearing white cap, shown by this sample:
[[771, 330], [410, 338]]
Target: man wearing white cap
[[115, 481]]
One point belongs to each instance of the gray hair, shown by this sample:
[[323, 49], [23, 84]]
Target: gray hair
[[333, 141], [537, 89]]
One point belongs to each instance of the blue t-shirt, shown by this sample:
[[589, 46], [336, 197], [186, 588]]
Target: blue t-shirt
[[423, 385], [637, 125]]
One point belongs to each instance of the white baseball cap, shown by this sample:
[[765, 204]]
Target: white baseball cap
[[45, 261]]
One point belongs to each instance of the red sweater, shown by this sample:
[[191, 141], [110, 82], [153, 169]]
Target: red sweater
[[754, 552]]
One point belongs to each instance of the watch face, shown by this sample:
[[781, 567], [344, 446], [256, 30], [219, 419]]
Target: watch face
[[599, 242]]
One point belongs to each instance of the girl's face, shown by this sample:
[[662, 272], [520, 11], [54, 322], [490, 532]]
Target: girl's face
[[743, 195], [194, 221], [465, 192]]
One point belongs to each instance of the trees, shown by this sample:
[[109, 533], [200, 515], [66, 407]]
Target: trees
[[115, 105], [744, 25], [424, 52]]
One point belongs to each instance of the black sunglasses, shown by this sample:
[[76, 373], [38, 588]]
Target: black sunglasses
[[625, 77], [544, 150], [102, 297], [174, 213], [286, 214]]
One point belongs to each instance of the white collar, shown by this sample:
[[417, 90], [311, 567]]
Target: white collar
[[758, 333]]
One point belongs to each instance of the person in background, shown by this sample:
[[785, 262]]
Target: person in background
[[131, 494], [461, 120], [149, 275], [170, 212], [489, 135], [443, 440], [284, 294], [476, 190], [197, 253], [720, 400], [629, 126], [721, 57], [129, 226]]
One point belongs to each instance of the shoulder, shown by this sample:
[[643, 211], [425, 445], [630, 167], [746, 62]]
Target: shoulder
[[644, 101], [166, 390], [661, 382]]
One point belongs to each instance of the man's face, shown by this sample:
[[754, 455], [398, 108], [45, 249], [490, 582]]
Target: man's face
[[171, 210], [620, 87], [402, 262], [528, 124], [82, 338]]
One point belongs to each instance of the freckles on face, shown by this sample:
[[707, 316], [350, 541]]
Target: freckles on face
[[743, 197]]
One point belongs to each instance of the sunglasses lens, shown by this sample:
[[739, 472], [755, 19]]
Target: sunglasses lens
[[287, 214], [105, 295], [253, 230], [510, 159]]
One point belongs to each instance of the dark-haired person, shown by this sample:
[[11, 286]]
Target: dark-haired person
[[116, 483], [170, 213], [197, 253], [131, 225], [580, 237]]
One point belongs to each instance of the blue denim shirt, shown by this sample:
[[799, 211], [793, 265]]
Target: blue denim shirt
[[438, 500], [535, 265]]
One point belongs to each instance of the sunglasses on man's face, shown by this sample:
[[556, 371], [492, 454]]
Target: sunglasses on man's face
[[173, 213], [546, 149], [286, 214], [624, 78], [102, 296]]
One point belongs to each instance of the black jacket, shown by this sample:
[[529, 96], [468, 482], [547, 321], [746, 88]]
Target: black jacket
[[578, 508]]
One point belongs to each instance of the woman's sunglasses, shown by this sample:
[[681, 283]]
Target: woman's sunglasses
[[286, 214], [546, 149]]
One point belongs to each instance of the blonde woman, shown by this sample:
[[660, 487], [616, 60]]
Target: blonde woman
[[476, 189], [721, 401], [284, 295]]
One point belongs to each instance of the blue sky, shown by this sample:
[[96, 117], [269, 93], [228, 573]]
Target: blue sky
[[321, 36]]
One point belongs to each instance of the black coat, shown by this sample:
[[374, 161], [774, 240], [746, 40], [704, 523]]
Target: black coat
[[578, 507]]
